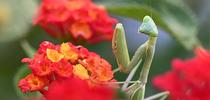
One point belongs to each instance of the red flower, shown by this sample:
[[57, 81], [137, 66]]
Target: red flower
[[59, 62], [76, 89], [77, 19], [40, 66], [189, 79]]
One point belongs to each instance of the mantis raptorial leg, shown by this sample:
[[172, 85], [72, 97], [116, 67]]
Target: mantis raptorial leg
[[120, 50], [161, 96], [119, 47]]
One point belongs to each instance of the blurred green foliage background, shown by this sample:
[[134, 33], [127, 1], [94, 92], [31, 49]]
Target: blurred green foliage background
[[179, 24]]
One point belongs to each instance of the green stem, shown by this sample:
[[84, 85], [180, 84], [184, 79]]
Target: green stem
[[28, 49]]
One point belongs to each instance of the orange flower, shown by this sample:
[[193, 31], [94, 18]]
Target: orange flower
[[59, 62], [100, 68], [77, 19], [32, 83]]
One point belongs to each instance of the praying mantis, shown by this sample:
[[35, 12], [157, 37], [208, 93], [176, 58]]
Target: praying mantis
[[145, 52]]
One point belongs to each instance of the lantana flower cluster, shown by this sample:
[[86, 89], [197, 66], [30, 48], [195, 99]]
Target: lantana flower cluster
[[80, 20], [189, 79], [59, 62]]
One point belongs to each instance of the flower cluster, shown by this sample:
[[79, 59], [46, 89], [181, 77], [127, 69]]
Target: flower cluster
[[189, 79], [66, 90], [75, 19], [59, 62]]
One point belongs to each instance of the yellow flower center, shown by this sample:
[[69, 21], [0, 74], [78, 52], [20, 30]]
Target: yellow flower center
[[80, 71], [54, 55], [68, 52]]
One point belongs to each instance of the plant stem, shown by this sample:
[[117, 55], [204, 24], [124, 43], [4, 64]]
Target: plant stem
[[28, 49]]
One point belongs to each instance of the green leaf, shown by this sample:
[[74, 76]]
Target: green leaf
[[16, 18], [171, 15], [180, 21], [21, 73]]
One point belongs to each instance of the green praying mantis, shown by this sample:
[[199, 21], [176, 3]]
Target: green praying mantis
[[145, 52]]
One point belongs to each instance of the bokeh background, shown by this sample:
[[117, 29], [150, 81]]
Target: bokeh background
[[16, 25]]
